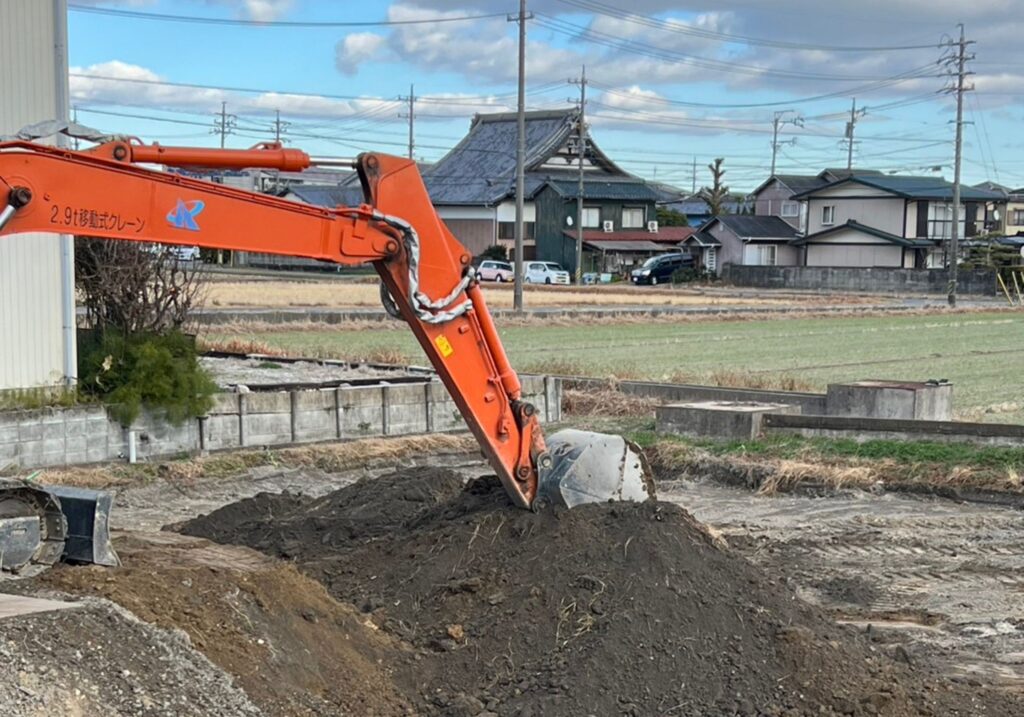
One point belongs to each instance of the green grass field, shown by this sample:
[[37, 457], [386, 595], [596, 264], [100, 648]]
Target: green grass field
[[982, 354]]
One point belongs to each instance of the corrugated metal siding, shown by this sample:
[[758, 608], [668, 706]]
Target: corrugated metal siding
[[31, 342]]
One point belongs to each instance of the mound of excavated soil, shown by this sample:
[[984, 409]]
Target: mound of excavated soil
[[612, 609], [294, 650]]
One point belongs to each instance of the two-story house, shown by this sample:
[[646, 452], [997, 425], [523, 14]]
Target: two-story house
[[473, 189], [876, 220], [1005, 215], [777, 195]]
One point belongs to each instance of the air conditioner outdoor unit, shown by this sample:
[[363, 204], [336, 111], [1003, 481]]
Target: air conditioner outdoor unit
[[652, 227], [608, 226]]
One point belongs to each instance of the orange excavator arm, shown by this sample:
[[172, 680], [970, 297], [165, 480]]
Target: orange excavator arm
[[103, 192]]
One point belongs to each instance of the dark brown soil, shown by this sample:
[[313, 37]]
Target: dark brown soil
[[614, 609]]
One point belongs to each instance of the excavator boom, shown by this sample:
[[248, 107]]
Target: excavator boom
[[428, 275]]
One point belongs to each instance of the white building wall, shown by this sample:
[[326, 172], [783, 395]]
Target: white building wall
[[31, 302]]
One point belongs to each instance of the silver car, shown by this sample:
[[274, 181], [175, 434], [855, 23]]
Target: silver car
[[545, 272]]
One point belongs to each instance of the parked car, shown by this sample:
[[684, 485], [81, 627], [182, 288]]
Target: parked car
[[185, 253], [659, 269], [492, 270], [545, 272], [181, 253]]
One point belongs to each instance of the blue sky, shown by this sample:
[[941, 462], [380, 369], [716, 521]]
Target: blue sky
[[671, 82]]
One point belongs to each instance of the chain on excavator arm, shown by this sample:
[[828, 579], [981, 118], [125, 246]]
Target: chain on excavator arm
[[427, 277]]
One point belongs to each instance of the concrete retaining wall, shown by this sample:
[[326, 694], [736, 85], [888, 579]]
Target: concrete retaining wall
[[86, 434], [866, 429], [682, 392], [871, 280]]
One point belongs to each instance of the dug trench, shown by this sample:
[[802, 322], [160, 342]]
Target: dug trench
[[463, 605]]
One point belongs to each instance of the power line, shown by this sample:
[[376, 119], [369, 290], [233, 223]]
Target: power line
[[913, 74], [165, 17], [588, 34], [611, 11]]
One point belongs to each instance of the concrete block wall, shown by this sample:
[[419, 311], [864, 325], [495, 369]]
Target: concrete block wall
[[86, 434], [861, 279]]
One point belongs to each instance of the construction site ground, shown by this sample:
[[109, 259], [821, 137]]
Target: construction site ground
[[926, 591]]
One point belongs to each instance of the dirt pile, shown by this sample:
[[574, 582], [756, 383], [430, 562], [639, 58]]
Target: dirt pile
[[614, 609], [98, 659], [293, 649]]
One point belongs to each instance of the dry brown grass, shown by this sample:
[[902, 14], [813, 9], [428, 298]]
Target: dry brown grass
[[606, 402], [338, 294], [575, 320], [329, 457], [769, 475], [239, 346], [745, 379]]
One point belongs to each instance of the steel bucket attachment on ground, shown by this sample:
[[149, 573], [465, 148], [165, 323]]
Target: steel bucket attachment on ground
[[32, 528], [587, 467], [87, 513]]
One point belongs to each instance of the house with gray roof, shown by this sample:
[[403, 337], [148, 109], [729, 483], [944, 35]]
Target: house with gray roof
[[473, 188], [776, 196], [743, 240], [873, 208]]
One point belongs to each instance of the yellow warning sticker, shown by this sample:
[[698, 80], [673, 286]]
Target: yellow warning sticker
[[444, 346]]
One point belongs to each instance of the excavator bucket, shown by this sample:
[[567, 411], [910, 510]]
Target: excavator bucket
[[587, 467], [87, 513]]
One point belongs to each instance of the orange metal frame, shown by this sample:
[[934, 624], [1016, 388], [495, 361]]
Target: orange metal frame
[[104, 193]]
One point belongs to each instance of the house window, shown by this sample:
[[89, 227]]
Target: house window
[[632, 217], [711, 260], [507, 230], [760, 255], [1017, 217], [591, 216], [940, 220], [790, 209], [828, 215]]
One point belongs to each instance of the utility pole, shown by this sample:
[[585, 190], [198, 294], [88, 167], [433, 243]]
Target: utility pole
[[581, 151], [693, 189], [517, 293], [279, 126], [411, 116], [779, 119], [960, 61], [224, 123], [850, 128]]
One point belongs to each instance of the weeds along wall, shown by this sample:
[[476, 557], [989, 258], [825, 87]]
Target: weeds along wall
[[49, 437]]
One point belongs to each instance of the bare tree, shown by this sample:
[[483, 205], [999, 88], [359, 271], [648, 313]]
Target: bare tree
[[715, 195], [135, 288]]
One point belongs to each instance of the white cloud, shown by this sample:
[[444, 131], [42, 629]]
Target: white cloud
[[259, 10], [262, 10], [356, 49]]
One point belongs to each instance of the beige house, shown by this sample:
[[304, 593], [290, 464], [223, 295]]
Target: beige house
[[887, 221], [853, 244]]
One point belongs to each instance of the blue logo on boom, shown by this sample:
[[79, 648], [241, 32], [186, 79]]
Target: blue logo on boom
[[183, 216]]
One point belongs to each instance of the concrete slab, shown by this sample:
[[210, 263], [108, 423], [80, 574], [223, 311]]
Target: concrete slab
[[15, 605], [728, 420]]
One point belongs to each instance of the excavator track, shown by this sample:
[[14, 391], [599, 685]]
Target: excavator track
[[33, 529]]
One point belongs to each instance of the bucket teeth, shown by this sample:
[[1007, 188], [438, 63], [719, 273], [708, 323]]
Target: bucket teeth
[[587, 467]]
